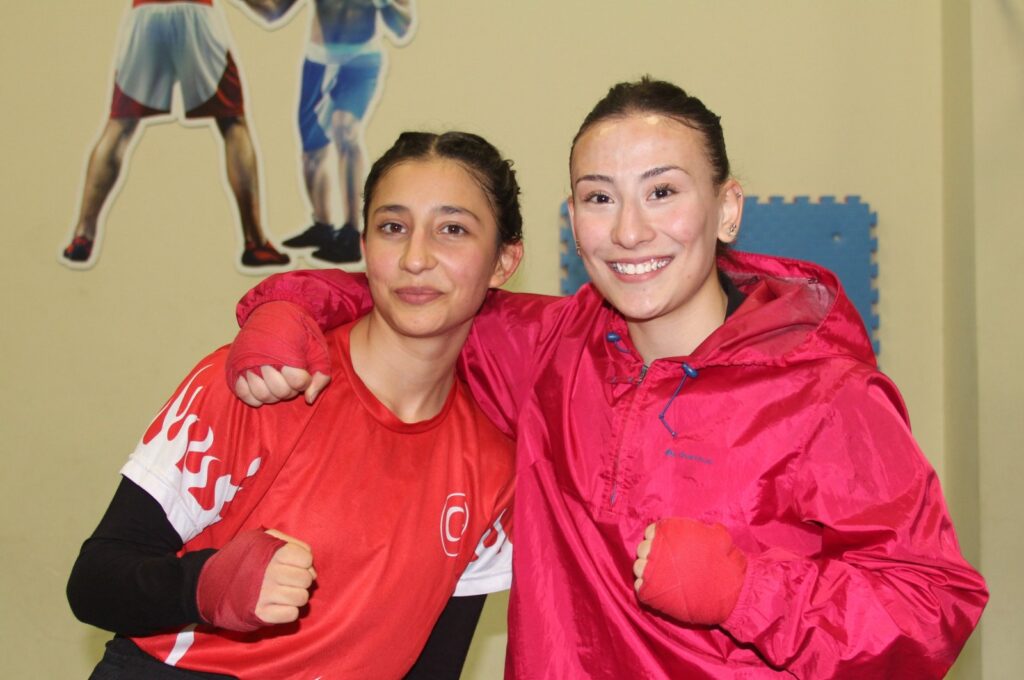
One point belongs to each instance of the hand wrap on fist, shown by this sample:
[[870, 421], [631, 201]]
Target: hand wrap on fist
[[230, 582], [693, 571], [278, 334], [257, 579]]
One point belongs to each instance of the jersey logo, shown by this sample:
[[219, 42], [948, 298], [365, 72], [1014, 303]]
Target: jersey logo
[[454, 522], [177, 447]]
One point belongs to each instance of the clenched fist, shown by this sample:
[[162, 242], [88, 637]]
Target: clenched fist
[[286, 581], [258, 578]]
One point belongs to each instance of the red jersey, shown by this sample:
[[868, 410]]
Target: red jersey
[[394, 513]]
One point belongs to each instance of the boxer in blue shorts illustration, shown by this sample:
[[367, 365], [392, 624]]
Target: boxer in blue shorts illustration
[[163, 44], [341, 75]]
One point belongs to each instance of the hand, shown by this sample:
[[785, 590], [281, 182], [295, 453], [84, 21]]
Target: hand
[[258, 578], [690, 570], [642, 552], [275, 353], [286, 582], [270, 385]]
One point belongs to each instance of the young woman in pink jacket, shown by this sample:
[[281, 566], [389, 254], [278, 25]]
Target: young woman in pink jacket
[[713, 478]]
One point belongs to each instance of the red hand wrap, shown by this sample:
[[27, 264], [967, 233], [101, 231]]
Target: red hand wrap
[[278, 334], [694, 571], [230, 582]]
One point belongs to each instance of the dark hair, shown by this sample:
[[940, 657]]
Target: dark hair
[[476, 155], [663, 98]]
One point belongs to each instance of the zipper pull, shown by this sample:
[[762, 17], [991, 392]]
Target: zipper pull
[[616, 341]]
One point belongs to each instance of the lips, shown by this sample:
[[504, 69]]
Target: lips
[[640, 267], [417, 295]]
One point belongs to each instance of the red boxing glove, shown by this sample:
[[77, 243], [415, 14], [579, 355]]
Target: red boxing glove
[[694, 571], [230, 582], [278, 334]]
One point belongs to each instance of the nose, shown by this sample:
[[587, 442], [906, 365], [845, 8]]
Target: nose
[[418, 255], [631, 229]]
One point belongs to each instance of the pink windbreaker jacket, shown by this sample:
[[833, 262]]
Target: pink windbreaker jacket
[[779, 426]]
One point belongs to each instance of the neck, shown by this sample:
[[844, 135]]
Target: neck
[[410, 376], [683, 331]]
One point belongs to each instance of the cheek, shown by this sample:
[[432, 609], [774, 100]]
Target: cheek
[[591, 230], [689, 226], [467, 268], [381, 263]]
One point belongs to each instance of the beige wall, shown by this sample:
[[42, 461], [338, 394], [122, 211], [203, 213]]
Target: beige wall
[[998, 79], [872, 98]]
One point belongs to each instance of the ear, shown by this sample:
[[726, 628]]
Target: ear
[[509, 256], [730, 197]]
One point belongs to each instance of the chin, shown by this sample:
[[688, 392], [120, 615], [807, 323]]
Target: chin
[[419, 330], [633, 307]]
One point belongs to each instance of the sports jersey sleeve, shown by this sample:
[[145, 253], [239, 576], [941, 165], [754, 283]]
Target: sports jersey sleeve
[[490, 570], [890, 594], [198, 451]]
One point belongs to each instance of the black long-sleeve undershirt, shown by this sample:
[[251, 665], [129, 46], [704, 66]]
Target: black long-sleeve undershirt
[[128, 579]]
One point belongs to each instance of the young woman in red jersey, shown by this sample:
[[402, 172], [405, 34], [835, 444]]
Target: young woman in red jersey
[[713, 478], [300, 542]]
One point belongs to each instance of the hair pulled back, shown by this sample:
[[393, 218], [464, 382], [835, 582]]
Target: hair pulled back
[[666, 99], [478, 156]]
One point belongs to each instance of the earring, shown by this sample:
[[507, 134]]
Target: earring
[[577, 247], [733, 228]]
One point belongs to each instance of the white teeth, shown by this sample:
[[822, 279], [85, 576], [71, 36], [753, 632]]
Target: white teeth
[[633, 269]]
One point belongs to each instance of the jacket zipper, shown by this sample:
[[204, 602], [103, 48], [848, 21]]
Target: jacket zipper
[[613, 496]]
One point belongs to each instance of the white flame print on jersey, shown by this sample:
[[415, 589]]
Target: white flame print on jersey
[[164, 464]]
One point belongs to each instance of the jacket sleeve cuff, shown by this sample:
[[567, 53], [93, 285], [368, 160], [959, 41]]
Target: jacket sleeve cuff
[[775, 583]]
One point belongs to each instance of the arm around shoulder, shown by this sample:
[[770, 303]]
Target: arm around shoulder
[[332, 297], [280, 351]]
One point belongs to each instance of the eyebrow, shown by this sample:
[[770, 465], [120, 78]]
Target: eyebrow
[[654, 172], [391, 207], [647, 174], [443, 210], [593, 178], [457, 210]]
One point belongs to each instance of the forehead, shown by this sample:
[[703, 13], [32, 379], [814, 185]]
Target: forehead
[[639, 141], [443, 179]]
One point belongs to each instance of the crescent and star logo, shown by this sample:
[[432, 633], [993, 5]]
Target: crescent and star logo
[[454, 521]]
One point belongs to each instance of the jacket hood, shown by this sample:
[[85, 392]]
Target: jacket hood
[[795, 311]]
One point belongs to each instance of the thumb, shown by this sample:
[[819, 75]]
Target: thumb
[[318, 382]]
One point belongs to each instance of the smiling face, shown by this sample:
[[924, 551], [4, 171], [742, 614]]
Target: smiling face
[[432, 250], [647, 216]]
